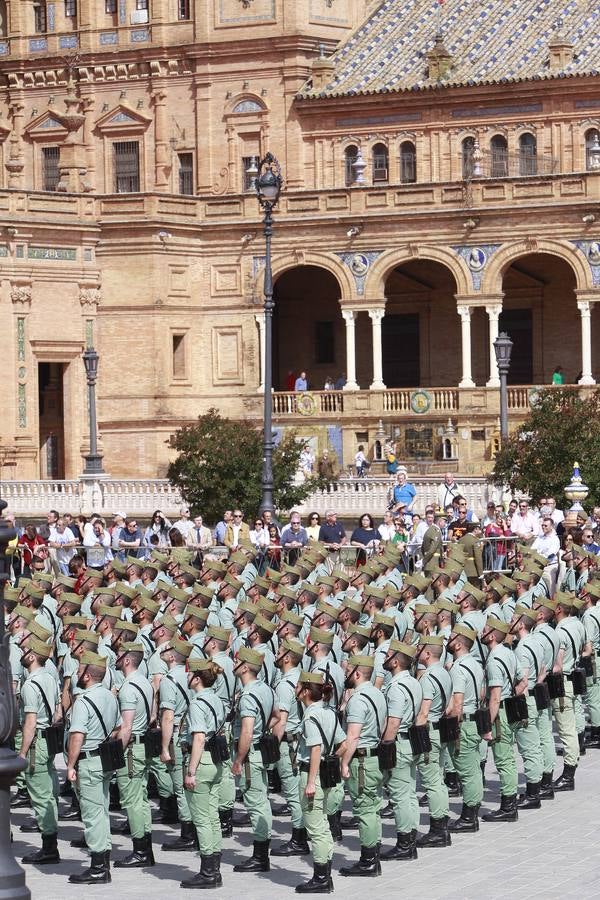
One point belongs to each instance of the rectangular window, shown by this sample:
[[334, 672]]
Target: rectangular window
[[50, 170], [179, 364], [70, 8], [110, 7], [186, 173], [141, 4], [324, 343], [183, 7], [127, 167], [39, 17], [249, 172]]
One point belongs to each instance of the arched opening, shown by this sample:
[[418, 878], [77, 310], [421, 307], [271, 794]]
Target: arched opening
[[408, 162], [3, 19], [527, 154], [541, 317], [308, 328], [468, 147], [381, 164], [350, 157], [421, 329], [592, 150], [499, 154]]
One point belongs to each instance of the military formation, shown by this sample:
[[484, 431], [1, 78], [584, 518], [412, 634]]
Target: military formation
[[196, 685]]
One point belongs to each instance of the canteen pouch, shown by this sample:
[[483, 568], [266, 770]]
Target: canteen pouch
[[386, 755], [112, 755], [420, 742], [579, 681], [541, 696], [269, 749], [586, 663], [555, 682], [516, 709], [483, 721], [330, 772], [449, 729], [153, 742], [55, 738], [218, 748]]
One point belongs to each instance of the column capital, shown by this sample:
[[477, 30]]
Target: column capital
[[20, 295], [377, 315], [584, 307], [465, 312], [493, 309], [259, 318], [349, 315], [590, 295]]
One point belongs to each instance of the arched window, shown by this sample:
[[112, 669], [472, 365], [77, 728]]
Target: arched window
[[527, 154], [408, 163], [3, 21], [350, 155], [468, 146], [592, 150], [499, 150], [381, 164]]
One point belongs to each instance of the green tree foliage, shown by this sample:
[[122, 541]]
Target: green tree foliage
[[563, 427], [219, 466]]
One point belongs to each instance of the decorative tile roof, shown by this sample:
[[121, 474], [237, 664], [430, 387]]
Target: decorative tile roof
[[490, 41]]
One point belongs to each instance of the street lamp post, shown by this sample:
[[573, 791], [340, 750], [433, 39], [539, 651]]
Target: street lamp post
[[268, 185], [503, 349], [12, 876], [93, 461]]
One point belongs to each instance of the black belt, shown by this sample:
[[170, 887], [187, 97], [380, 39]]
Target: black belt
[[364, 752], [137, 739], [288, 738], [471, 717], [435, 725], [253, 747], [304, 767], [403, 735], [87, 754], [531, 693]]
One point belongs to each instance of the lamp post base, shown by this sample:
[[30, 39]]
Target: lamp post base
[[12, 876], [93, 465]]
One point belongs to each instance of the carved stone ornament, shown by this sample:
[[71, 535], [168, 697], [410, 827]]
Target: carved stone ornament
[[90, 296], [21, 294]]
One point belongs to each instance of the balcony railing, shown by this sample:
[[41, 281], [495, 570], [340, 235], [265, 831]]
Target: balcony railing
[[308, 403]]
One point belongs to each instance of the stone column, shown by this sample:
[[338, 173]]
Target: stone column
[[493, 312], [376, 317], [465, 322], [349, 318], [162, 164], [585, 311], [260, 321], [15, 162]]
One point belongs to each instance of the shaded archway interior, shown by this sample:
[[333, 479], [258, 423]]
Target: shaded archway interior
[[308, 328]]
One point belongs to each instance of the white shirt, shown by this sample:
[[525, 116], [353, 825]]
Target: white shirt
[[97, 555], [525, 525], [548, 545], [184, 526], [67, 537], [386, 532], [446, 494]]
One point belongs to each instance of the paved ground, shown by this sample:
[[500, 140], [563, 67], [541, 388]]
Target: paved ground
[[549, 854]]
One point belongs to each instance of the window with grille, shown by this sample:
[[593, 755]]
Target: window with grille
[[184, 10], [468, 148], [70, 8], [499, 150], [50, 168], [39, 17], [142, 4], [527, 154], [592, 150], [249, 172], [350, 157], [186, 173], [127, 167], [408, 163], [110, 7], [381, 163]]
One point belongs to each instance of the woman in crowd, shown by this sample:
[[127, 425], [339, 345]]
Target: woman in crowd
[[364, 535], [274, 548], [159, 526], [314, 524]]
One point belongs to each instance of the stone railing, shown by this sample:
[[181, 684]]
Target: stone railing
[[403, 401], [308, 403]]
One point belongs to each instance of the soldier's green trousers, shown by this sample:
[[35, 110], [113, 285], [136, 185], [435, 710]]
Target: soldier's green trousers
[[364, 788], [227, 783], [175, 771], [503, 749], [314, 816], [289, 777], [164, 782], [132, 781], [432, 781], [402, 786], [20, 779], [203, 803], [40, 780], [579, 712], [92, 788], [565, 724], [253, 785], [529, 744], [467, 757], [544, 723], [592, 698], [334, 799]]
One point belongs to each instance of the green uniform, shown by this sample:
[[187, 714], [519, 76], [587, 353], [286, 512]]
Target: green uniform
[[501, 671], [366, 707], [467, 679], [136, 694], [174, 695], [224, 687], [529, 654], [256, 702], [314, 810], [436, 686], [92, 782], [285, 693], [404, 697], [591, 624], [334, 675], [571, 643], [550, 645], [206, 715], [39, 695]]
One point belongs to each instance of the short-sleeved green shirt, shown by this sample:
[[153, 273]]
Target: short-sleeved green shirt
[[367, 707], [287, 701], [174, 693], [224, 686], [31, 700], [571, 634], [84, 718], [502, 670], [139, 698], [436, 685], [550, 642], [310, 736], [156, 665], [530, 656], [254, 695], [467, 679], [404, 697], [206, 713]]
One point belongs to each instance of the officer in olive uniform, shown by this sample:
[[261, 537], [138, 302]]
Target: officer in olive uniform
[[38, 701], [365, 717], [94, 716], [529, 653], [567, 630]]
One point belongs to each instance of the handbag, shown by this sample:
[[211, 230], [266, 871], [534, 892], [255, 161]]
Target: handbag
[[112, 753], [53, 734], [330, 772], [217, 745], [268, 743]]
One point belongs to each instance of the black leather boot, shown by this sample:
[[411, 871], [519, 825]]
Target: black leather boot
[[452, 783], [279, 809], [73, 812], [259, 861], [438, 834], [388, 812], [48, 853], [531, 798], [349, 823], [566, 782], [167, 811], [21, 799], [467, 821], [226, 819], [121, 828], [206, 877], [296, 846], [335, 827], [186, 841], [141, 856], [320, 883], [79, 843], [98, 872], [593, 739], [114, 797], [546, 789], [507, 811], [241, 819], [274, 781], [217, 868], [404, 848], [581, 742], [29, 827], [368, 866], [423, 801]]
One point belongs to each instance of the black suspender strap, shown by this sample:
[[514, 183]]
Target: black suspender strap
[[138, 688], [443, 692], [44, 698], [326, 747], [180, 689], [369, 700], [97, 711], [472, 674], [412, 700], [505, 667]]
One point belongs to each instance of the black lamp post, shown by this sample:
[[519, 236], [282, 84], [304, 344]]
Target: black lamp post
[[268, 185], [93, 461], [503, 349], [12, 876]]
